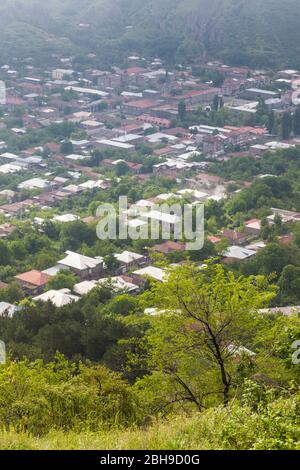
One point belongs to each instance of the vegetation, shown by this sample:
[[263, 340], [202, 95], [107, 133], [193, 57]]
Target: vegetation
[[174, 30], [206, 359], [273, 426]]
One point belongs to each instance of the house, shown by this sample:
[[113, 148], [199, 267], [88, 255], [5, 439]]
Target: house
[[117, 284], [17, 207], [234, 237], [134, 167], [257, 93], [65, 218], [168, 247], [239, 351], [3, 285], [59, 298], [6, 230], [33, 282], [253, 226], [256, 246], [8, 310], [129, 260], [151, 272], [285, 215], [237, 253], [114, 145], [206, 180], [285, 239], [214, 240], [54, 270], [212, 145], [83, 266], [285, 311], [138, 107], [60, 74], [34, 183], [84, 287], [155, 121], [166, 221], [194, 97]]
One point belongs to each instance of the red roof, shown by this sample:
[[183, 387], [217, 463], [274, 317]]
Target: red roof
[[34, 277], [142, 103], [192, 93], [213, 239], [233, 234], [154, 120], [135, 70], [169, 247], [53, 146], [134, 166], [252, 221], [208, 178], [286, 238]]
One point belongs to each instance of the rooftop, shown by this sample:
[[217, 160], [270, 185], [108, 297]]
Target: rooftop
[[34, 277], [80, 262]]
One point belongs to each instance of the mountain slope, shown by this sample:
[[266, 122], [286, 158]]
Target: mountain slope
[[256, 32]]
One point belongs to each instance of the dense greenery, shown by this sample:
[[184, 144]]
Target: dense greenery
[[273, 426], [180, 29], [206, 349]]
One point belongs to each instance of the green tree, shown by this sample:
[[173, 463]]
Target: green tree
[[121, 168], [182, 110], [67, 147], [265, 229], [271, 122], [203, 318], [289, 283], [286, 125], [5, 253], [63, 279], [297, 121]]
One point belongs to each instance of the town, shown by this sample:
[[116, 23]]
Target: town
[[69, 136], [149, 227]]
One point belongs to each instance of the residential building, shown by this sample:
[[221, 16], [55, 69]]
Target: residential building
[[33, 282], [59, 298], [129, 260], [83, 266]]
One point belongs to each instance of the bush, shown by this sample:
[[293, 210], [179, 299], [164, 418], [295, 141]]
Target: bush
[[37, 398]]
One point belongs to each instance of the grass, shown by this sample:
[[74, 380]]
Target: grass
[[178, 433], [216, 429]]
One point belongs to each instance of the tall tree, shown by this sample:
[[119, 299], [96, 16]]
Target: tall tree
[[271, 122], [204, 319], [286, 125], [182, 110], [297, 121]]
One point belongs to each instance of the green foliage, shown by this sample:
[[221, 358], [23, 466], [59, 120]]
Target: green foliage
[[275, 426], [63, 280], [203, 317], [173, 30], [60, 395]]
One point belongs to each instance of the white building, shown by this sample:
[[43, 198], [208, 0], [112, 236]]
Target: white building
[[59, 298]]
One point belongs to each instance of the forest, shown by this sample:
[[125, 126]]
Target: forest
[[179, 30]]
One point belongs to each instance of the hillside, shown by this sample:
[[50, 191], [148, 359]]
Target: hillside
[[267, 33], [274, 427]]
